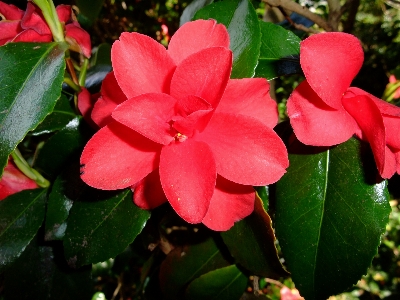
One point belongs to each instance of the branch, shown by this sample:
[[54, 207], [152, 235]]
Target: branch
[[295, 7]]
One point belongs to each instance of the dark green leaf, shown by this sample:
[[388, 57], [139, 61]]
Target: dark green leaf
[[62, 114], [329, 220], [58, 207], [241, 20], [31, 76], [58, 149], [89, 9], [102, 56], [42, 273], [99, 230], [183, 264], [256, 250], [21, 215], [190, 10], [222, 284], [279, 52]]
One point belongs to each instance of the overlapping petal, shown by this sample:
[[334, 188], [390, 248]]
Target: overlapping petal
[[204, 74], [148, 114], [141, 65], [111, 96], [195, 36], [8, 30], [314, 122], [33, 19], [250, 97], [369, 119], [63, 13], [117, 157], [148, 193], [245, 150], [234, 200], [330, 61], [78, 39], [30, 35], [10, 12], [188, 175]]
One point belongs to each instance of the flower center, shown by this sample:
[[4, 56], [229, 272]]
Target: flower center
[[180, 137]]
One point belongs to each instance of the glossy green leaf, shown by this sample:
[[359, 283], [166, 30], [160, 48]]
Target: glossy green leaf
[[329, 217], [183, 264], [256, 250], [241, 20], [102, 56], [21, 215], [62, 114], [99, 230], [31, 76], [222, 284], [58, 207], [40, 273], [190, 10], [279, 52], [59, 148]]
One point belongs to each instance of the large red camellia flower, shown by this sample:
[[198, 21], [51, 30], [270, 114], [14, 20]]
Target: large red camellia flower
[[29, 26], [176, 128], [324, 110], [14, 181]]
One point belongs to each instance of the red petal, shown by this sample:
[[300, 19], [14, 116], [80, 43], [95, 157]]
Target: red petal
[[148, 193], [203, 74], [392, 127], [314, 122], [85, 106], [8, 30], [198, 120], [245, 150], [117, 157], [330, 62], [14, 181], [10, 12], [148, 114], [112, 95], [230, 203], [370, 120], [188, 175], [195, 36], [141, 65], [79, 38], [34, 20], [250, 97], [397, 156], [30, 35], [190, 104], [63, 13]]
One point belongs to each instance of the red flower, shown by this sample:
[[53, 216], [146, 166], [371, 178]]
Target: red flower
[[186, 132], [324, 110], [14, 181], [30, 26], [392, 80]]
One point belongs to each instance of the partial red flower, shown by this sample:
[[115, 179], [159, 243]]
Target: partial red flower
[[175, 127], [392, 80], [30, 26], [14, 181], [324, 110]]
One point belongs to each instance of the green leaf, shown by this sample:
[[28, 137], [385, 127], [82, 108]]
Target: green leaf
[[40, 273], [241, 20], [99, 230], [102, 56], [58, 207], [329, 218], [59, 148], [279, 52], [183, 264], [21, 215], [256, 250], [62, 114], [31, 76], [190, 10], [89, 9], [223, 284]]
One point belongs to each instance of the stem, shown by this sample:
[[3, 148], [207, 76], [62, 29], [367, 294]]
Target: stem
[[50, 15], [31, 173], [82, 75], [390, 90], [71, 70], [72, 84]]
